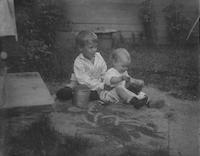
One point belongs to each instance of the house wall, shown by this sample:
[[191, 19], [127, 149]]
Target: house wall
[[119, 15]]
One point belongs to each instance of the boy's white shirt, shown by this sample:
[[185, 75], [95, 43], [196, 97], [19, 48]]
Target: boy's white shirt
[[88, 73], [112, 72]]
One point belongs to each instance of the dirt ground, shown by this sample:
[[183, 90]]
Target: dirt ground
[[170, 124], [169, 127], [170, 76], [183, 124]]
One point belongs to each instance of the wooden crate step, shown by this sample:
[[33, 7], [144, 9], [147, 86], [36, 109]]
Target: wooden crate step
[[25, 90]]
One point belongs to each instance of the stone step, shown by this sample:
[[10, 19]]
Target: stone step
[[24, 90]]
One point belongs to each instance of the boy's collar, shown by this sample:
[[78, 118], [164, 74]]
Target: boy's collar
[[82, 56]]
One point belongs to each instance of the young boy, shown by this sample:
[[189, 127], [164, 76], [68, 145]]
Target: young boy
[[89, 68], [123, 86]]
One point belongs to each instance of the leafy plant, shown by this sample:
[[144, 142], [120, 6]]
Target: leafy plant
[[177, 24], [47, 20], [41, 139], [37, 23]]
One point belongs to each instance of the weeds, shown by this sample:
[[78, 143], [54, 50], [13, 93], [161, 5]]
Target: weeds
[[40, 139], [130, 151]]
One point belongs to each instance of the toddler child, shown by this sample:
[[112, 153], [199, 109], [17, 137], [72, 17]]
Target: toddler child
[[121, 85]]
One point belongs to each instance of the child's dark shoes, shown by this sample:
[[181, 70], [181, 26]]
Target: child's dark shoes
[[146, 101], [136, 103]]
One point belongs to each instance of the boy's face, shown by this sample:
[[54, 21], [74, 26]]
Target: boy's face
[[122, 64], [89, 50]]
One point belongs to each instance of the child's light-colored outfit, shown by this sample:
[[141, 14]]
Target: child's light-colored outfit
[[122, 85], [88, 73], [91, 75]]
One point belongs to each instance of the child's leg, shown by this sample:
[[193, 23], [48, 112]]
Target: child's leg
[[135, 86], [136, 100], [124, 93], [135, 89], [66, 93]]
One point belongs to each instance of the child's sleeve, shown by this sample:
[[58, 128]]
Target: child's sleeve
[[83, 77]]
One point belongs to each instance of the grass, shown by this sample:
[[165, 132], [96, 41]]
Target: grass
[[169, 69], [132, 151], [39, 139]]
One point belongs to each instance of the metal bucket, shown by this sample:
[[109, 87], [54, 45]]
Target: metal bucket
[[81, 96]]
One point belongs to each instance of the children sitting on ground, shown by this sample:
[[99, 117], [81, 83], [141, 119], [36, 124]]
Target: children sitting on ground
[[89, 69], [120, 84]]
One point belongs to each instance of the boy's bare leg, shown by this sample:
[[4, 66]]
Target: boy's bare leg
[[135, 85], [136, 100], [125, 94]]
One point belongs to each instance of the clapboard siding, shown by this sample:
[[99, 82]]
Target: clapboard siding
[[121, 15], [103, 13]]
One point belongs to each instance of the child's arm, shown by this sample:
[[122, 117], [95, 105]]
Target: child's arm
[[114, 80]]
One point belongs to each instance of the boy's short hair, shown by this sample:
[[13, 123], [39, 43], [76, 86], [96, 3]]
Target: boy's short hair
[[114, 57], [85, 37]]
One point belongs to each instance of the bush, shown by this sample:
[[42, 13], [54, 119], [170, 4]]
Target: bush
[[37, 23], [177, 24], [148, 20]]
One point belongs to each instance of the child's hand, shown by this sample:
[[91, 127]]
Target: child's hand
[[126, 78], [140, 82], [107, 87]]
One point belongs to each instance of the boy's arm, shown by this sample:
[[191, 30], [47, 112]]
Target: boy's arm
[[104, 66], [112, 77], [84, 78]]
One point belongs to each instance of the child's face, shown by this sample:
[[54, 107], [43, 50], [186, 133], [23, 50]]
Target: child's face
[[89, 50], [122, 64]]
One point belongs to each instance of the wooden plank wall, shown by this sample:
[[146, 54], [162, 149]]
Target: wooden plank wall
[[118, 14]]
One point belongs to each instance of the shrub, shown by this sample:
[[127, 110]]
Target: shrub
[[147, 18], [177, 24], [37, 23]]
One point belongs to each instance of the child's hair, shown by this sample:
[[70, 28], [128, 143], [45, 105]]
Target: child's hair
[[85, 37], [115, 55]]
